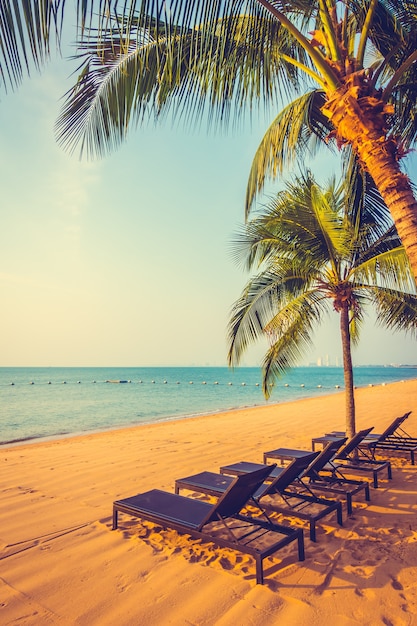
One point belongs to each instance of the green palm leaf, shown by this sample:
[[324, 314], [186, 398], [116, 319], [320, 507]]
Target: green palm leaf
[[397, 312], [294, 133], [26, 30]]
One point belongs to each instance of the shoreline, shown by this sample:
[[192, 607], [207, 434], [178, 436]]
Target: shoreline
[[161, 420], [67, 567], [31, 440]]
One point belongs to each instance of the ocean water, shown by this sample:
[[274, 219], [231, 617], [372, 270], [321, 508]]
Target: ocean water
[[54, 402]]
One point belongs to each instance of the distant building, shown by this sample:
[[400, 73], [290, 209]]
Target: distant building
[[325, 361]]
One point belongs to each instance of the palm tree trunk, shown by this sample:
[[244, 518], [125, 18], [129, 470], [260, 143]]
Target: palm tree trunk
[[347, 372], [396, 191], [360, 122]]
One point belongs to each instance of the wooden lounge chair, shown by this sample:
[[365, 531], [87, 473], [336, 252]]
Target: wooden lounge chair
[[220, 523], [335, 483], [274, 494], [352, 459]]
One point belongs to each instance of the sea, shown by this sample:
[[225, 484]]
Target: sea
[[55, 402]]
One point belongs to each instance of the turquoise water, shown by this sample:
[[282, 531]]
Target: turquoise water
[[52, 402]]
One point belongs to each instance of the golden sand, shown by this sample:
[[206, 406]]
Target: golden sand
[[62, 564]]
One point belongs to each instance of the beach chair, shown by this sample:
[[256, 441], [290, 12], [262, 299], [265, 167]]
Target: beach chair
[[274, 494], [391, 447], [393, 430], [400, 432], [394, 440], [220, 523], [349, 457], [334, 483]]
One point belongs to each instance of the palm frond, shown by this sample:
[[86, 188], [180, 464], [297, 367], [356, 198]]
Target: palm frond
[[397, 311], [335, 232], [403, 123], [291, 333], [98, 110], [364, 207], [258, 304], [246, 325], [299, 130], [201, 63], [356, 319], [388, 267], [26, 32]]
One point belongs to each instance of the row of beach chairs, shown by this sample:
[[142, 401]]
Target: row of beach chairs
[[307, 485]]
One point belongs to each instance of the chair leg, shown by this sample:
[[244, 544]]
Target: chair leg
[[339, 514], [114, 519], [259, 571], [301, 553], [349, 503], [312, 530]]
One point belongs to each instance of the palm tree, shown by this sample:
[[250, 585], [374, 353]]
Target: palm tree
[[314, 253], [349, 64]]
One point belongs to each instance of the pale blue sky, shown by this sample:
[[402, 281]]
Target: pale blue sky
[[126, 261]]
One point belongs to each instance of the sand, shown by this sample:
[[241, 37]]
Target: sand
[[62, 564]]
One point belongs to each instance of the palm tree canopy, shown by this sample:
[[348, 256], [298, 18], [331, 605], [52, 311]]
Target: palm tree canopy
[[310, 256], [214, 56], [349, 66]]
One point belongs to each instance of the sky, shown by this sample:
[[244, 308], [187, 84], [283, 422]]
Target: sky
[[127, 261]]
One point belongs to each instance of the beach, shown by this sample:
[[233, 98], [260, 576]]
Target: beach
[[61, 563]]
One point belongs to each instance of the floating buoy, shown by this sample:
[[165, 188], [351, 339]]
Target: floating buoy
[[178, 382], [243, 384], [302, 385], [153, 382], [370, 385], [49, 382], [318, 386], [204, 382], [230, 384], [12, 383], [191, 382], [64, 382], [337, 386], [286, 385], [165, 382], [257, 384], [216, 383], [31, 382], [78, 382], [139, 381]]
